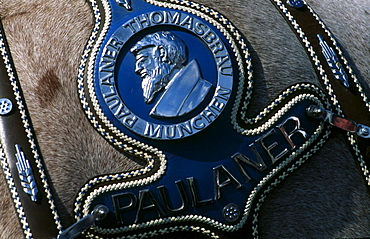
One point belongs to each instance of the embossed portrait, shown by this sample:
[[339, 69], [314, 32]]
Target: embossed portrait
[[161, 63]]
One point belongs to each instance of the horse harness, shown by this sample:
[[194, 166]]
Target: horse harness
[[175, 125]]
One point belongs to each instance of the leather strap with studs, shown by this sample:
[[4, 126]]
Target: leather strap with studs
[[21, 162], [337, 77]]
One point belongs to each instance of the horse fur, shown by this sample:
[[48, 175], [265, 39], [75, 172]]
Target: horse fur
[[325, 198]]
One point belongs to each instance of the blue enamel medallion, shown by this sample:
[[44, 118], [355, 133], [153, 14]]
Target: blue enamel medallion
[[188, 89], [170, 82]]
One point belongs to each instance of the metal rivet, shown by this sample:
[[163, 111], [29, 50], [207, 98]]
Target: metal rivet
[[295, 3], [364, 131], [314, 111], [5, 106], [231, 212], [100, 212]]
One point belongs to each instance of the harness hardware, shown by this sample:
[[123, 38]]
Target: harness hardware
[[99, 213], [6, 106], [334, 74], [340, 122]]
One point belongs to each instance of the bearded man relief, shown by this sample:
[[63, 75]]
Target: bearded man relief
[[160, 62]]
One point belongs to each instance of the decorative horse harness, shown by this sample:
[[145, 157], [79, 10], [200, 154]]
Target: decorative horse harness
[[162, 80]]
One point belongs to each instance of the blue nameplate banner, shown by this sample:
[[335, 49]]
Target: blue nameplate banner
[[169, 82]]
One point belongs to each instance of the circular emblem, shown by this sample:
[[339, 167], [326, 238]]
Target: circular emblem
[[295, 3], [231, 212], [6, 106], [164, 75]]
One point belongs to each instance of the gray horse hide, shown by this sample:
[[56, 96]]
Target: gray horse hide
[[326, 197]]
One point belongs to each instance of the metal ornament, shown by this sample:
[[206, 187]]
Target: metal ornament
[[125, 3], [333, 62], [23, 168], [363, 131], [295, 3], [99, 213], [170, 82], [167, 73], [6, 106], [25, 174], [338, 121], [231, 212]]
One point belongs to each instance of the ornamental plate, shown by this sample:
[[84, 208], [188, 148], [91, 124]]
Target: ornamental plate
[[170, 82], [155, 87]]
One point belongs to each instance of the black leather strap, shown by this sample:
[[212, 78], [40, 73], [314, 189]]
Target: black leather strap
[[351, 100], [38, 218]]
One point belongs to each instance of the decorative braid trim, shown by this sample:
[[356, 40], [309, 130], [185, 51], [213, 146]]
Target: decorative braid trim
[[262, 115], [312, 54], [329, 88], [365, 99], [360, 159], [280, 179], [31, 137], [124, 142], [128, 145], [342, 57], [321, 130], [131, 145], [333, 99], [13, 191], [165, 231]]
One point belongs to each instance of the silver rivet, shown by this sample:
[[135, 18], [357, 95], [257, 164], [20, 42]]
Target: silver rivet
[[295, 3], [314, 111], [5, 106], [100, 212], [364, 131], [231, 212]]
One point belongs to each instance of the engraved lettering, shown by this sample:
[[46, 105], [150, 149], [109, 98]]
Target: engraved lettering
[[147, 202], [196, 202], [187, 21], [170, 131], [107, 66], [123, 202], [107, 79], [209, 36], [115, 104], [156, 17], [297, 129], [109, 54], [196, 125], [142, 20], [185, 127], [115, 43], [217, 46], [109, 93], [223, 93], [112, 49], [216, 105], [153, 131], [130, 26], [221, 61], [209, 115], [130, 121], [239, 158], [199, 28], [122, 111], [229, 179], [172, 19], [164, 197], [226, 70], [271, 146]]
